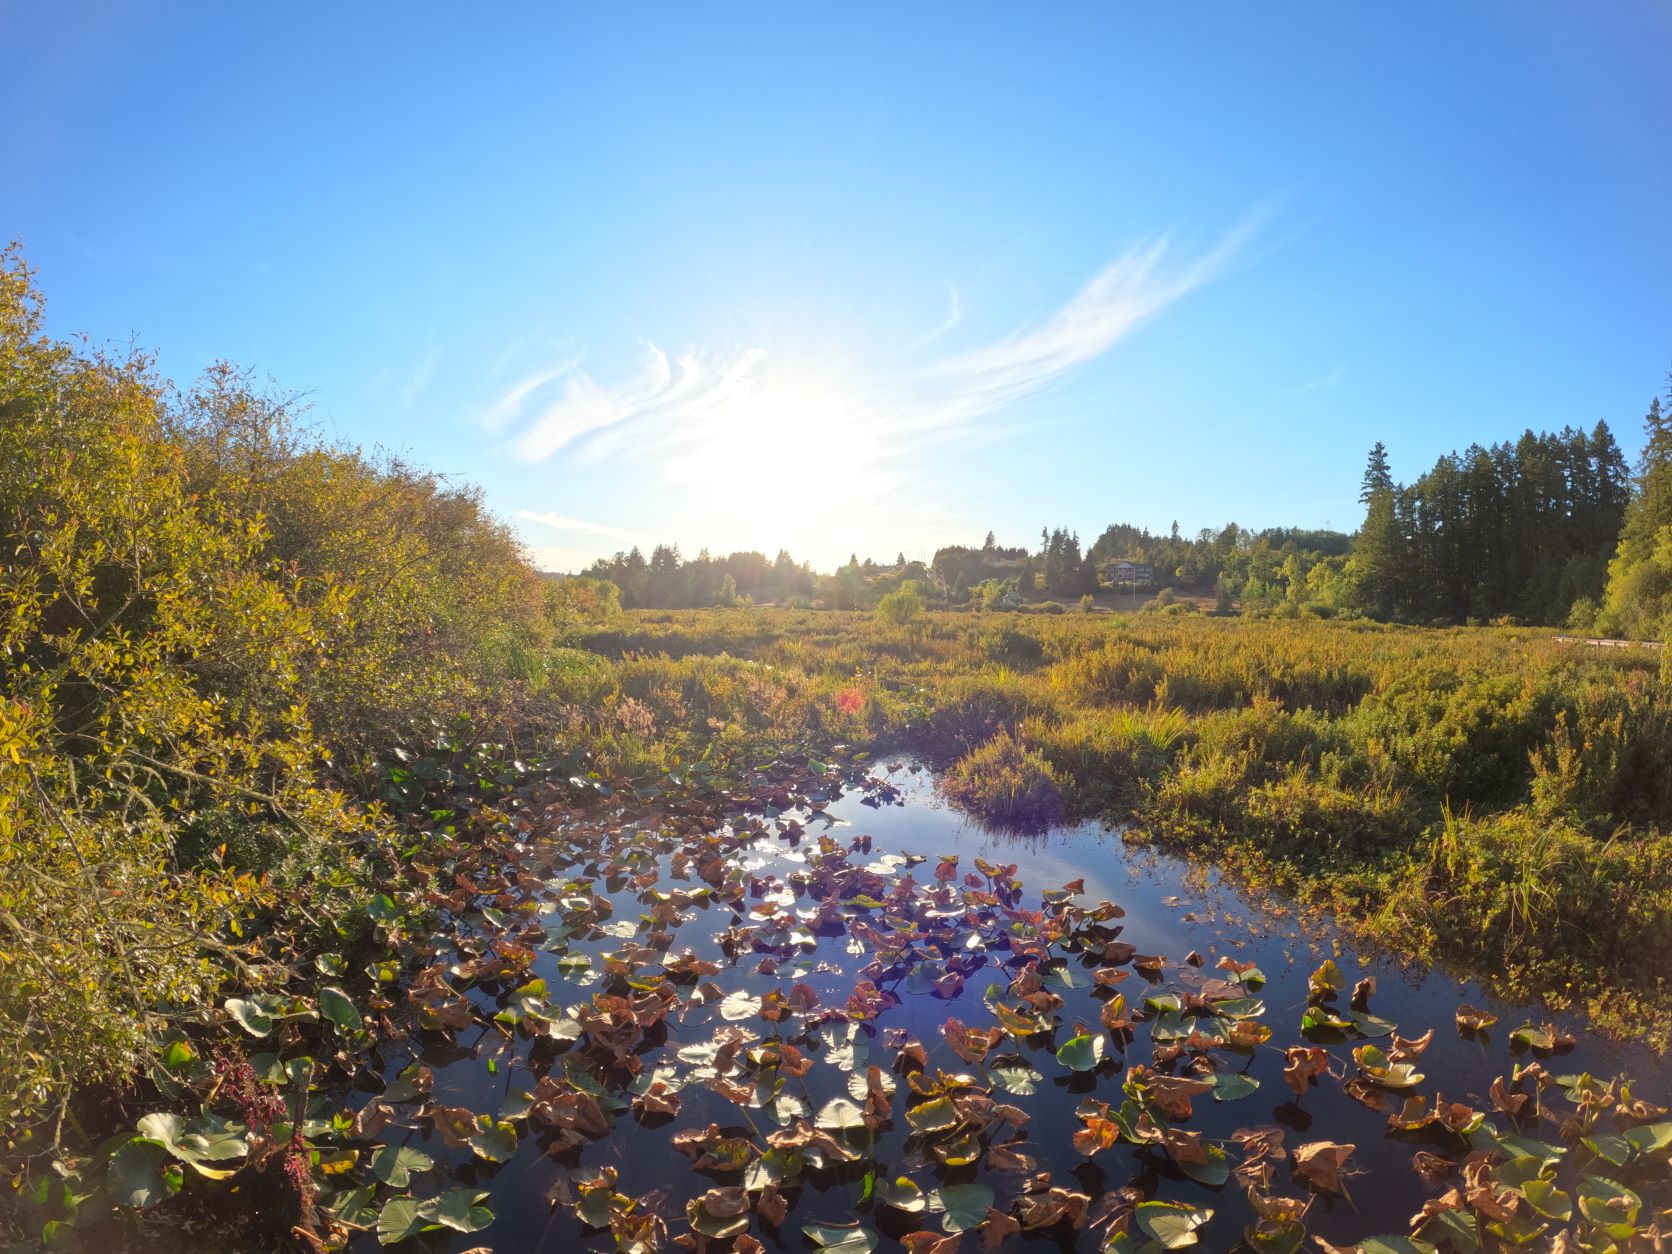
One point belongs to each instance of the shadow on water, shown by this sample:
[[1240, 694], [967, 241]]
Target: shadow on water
[[1171, 909]]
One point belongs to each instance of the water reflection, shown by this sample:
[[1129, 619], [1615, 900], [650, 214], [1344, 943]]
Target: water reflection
[[1171, 909]]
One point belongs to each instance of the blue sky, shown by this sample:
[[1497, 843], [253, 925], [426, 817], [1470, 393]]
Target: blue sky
[[863, 277]]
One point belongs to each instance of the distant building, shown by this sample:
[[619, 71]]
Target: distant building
[[1128, 572]]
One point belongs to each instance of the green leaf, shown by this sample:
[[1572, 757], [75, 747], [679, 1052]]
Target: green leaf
[[1549, 1201], [1369, 1024], [1229, 1086], [1212, 1173], [354, 1205], [1081, 1053], [404, 1087], [459, 1209], [139, 1175], [1454, 1227], [335, 1006], [1394, 1245], [1172, 1224], [494, 1139], [1532, 1036], [400, 1218], [251, 1017], [1379, 1070], [206, 1139], [395, 1164], [964, 1205]]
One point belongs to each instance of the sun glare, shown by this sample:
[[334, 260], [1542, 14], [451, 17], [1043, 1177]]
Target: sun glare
[[777, 430]]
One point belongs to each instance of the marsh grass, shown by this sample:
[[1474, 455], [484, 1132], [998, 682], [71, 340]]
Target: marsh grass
[[1006, 783], [1488, 796]]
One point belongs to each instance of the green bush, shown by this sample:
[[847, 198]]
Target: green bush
[[1007, 783], [209, 623]]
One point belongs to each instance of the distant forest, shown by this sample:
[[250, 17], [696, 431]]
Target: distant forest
[[1553, 529]]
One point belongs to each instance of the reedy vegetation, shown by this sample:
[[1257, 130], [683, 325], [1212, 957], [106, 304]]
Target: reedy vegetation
[[1489, 796]]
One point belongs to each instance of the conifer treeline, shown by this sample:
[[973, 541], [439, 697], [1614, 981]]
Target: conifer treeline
[[1523, 529], [1550, 529]]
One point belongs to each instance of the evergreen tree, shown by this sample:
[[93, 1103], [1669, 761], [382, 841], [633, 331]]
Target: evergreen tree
[[1377, 474], [1639, 596], [1378, 554]]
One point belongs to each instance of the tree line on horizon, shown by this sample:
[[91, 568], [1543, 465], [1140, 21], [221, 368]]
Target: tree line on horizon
[[1553, 528]]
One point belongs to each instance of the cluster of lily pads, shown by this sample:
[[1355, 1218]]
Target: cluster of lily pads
[[840, 1047]]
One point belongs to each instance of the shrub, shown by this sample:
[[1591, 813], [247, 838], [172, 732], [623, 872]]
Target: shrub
[[1007, 783], [209, 622], [902, 606]]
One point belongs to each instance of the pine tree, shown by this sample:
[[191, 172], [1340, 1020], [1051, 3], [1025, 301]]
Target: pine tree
[[1377, 474], [1377, 553]]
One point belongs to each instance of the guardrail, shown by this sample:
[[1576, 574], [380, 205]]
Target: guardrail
[[1612, 644]]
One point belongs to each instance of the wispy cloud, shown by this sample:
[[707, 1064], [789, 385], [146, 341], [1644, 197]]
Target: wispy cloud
[[576, 526], [954, 315], [677, 405], [1124, 294], [418, 381], [511, 402], [1321, 384]]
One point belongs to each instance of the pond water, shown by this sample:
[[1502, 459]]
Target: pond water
[[1171, 910]]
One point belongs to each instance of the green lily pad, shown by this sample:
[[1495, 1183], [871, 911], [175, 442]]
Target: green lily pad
[[400, 1218], [964, 1205], [1081, 1053], [461, 1210], [395, 1164]]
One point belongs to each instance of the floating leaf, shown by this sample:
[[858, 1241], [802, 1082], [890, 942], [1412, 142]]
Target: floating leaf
[[461, 1210], [1327, 979], [1229, 1086], [1173, 1225], [964, 1205], [841, 1115], [840, 1238], [1082, 1053], [395, 1164], [902, 1193], [1379, 1070], [1018, 1078], [1215, 1171], [400, 1218], [933, 1116]]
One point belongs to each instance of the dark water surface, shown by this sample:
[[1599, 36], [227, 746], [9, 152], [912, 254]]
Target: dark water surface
[[1171, 910]]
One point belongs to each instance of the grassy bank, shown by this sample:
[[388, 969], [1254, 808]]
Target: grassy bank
[[1489, 796]]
